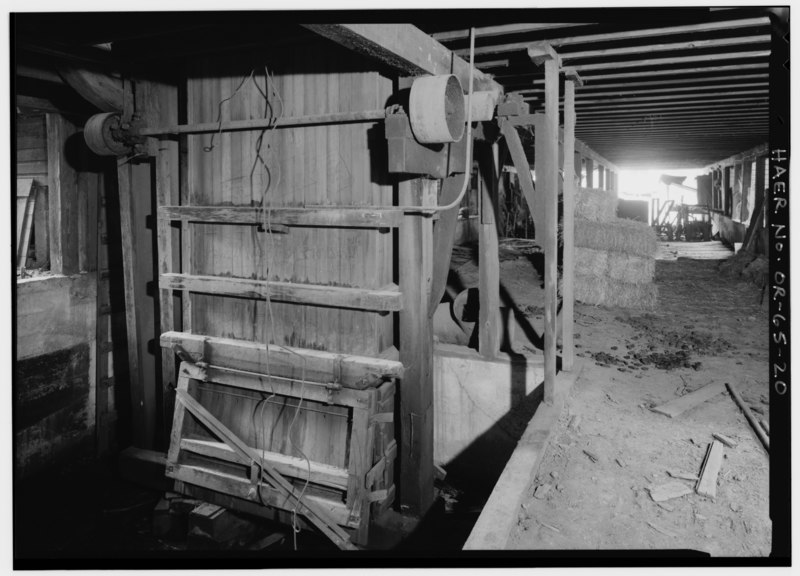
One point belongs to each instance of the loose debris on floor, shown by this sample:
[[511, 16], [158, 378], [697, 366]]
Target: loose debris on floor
[[629, 477]]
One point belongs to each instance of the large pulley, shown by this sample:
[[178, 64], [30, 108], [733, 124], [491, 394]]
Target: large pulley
[[107, 134]]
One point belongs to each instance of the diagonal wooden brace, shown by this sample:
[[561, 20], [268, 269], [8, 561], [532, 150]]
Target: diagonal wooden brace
[[523, 172], [315, 515]]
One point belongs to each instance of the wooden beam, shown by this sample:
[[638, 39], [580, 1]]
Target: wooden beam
[[443, 238], [589, 172], [501, 30], [589, 78], [62, 190], [568, 266], [549, 171], [599, 85], [143, 411], [685, 105], [713, 94], [334, 217], [416, 350], [673, 46], [386, 300], [671, 61], [489, 256], [406, 48], [99, 88], [522, 165], [629, 34], [284, 361], [716, 88], [323, 474]]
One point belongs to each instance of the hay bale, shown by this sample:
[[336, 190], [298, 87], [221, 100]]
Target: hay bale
[[595, 204], [617, 235], [604, 291], [734, 266], [628, 268], [757, 271]]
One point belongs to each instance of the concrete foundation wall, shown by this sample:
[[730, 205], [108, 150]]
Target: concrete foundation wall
[[481, 407]]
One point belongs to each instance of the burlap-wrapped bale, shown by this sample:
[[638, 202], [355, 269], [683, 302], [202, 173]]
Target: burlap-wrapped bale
[[617, 235], [595, 204], [604, 291], [619, 266]]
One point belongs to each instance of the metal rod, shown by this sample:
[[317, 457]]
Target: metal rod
[[258, 123]]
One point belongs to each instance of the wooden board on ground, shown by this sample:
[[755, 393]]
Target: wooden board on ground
[[707, 485], [687, 401]]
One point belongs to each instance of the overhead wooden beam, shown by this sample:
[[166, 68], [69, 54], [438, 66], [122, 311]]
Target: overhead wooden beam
[[406, 48], [671, 61], [99, 88], [489, 31], [672, 46], [743, 106], [669, 86], [630, 34], [673, 117], [716, 88], [754, 99], [590, 78], [597, 85], [713, 94]]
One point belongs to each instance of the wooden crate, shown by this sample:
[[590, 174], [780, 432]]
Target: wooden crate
[[333, 443]]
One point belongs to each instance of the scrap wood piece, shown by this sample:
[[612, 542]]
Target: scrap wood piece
[[315, 514], [676, 407], [707, 485], [668, 491], [592, 456], [683, 475], [729, 442], [749, 415]]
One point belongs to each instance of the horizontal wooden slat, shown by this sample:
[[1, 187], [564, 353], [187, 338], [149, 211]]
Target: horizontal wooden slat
[[284, 361], [323, 474], [314, 294], [333, 217], [239, 487]]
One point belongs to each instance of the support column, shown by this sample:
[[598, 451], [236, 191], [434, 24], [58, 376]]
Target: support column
[[489, 256], [547, 174], [416, 349], [601, 177], [568, 268], [589, 173]]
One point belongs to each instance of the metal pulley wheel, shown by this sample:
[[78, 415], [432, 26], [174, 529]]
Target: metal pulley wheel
[[436, 109], [99, 135]]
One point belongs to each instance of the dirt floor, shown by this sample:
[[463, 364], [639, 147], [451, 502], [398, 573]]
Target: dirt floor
[[609, 448]]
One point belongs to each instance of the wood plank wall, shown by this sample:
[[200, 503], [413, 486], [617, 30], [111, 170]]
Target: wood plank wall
[[327, 165]]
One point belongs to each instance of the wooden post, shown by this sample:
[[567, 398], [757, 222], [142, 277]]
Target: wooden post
[[62, 191], [489, 257], [747, 183], [416, 351], [578, 163], [549, 180], [141, 423], [589, 172], [568, 268], [601, 177]]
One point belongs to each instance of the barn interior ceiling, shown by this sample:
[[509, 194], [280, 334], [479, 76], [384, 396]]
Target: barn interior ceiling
[[680, 88]]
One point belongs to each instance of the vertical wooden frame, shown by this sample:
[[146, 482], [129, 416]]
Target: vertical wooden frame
[[489, 258], [416, 351], [550, 191], [568, 268]]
